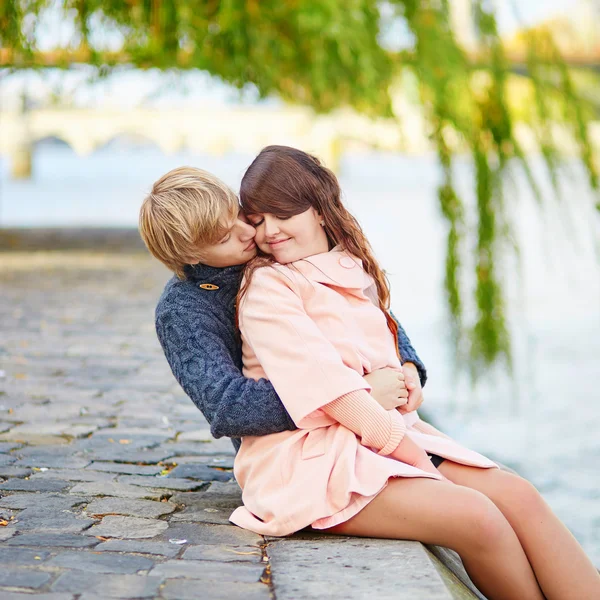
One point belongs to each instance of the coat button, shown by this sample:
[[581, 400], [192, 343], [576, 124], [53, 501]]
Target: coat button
[[347, 262]]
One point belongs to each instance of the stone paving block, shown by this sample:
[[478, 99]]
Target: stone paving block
[[42, 502], [22, 556], [124, 454], [208, 571], [73, 475], [208, 515], [128, 507], [119, 490], [197, 435], [180, 589], [211, 534], [107, 586], [23, 596], [14, 472], [101, 563], [34, 485], [130, 433], [223, 553], [6, 459], [6, 533], [8, 446], [111, 467], [23, 579], [128, 527], [162, 482], [51, 522], [139, 547], [59, 540], [200, 472], [57, 462], [318, 566]]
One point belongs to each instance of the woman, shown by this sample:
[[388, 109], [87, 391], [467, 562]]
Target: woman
[[313, 313]]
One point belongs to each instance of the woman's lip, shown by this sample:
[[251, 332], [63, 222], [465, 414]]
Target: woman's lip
[[250, 246], [277, 242]]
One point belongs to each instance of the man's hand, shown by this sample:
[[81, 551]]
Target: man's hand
[[413, 384], [388, 387]]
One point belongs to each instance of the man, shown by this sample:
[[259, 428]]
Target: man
[[191, 222]]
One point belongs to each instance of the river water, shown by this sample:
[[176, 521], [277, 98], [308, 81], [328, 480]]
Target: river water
[[544, 421]]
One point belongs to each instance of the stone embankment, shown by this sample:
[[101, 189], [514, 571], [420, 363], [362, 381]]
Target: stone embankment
[[111, 485]]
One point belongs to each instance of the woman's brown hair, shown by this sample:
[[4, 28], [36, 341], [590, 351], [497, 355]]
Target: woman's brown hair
[[286, 182]]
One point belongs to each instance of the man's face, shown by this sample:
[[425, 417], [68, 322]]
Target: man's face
[[236, 247]]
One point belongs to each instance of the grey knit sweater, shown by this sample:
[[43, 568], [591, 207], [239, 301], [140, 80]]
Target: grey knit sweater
[[197, 331]]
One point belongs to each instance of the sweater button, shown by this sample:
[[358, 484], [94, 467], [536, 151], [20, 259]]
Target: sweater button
[[208, 286], [347, 262]]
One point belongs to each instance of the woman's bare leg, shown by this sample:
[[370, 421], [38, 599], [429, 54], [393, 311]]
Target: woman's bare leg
[[441, 513], [561, 566]]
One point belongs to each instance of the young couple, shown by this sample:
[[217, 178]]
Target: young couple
[[322, 385]]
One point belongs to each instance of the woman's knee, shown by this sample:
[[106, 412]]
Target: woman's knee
[[519, 497], [485, 527]]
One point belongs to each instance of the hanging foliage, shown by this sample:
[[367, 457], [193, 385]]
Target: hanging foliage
[[331, 53]]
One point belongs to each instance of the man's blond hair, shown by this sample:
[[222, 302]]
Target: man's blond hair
[[187, 209]]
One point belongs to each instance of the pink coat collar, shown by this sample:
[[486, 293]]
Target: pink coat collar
[[336, 268]]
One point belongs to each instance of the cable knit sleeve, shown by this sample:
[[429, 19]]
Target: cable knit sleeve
[[408, 353], [204, 366], [378, 428]]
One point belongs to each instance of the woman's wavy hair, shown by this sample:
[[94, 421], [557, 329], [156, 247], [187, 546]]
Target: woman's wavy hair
[[286, 182]]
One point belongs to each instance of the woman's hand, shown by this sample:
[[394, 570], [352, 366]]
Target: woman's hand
[[413, 385], [412, 454], [388, 387]]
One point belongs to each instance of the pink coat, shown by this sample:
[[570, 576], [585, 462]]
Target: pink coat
[[313, 331]]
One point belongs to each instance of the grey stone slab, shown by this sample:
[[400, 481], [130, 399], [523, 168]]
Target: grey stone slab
[[128, 527], [124, 454], [14, 472], [140, 547], [24, 578], [51, 522], [74, 475], [223, 553], [8, 446], [162, 482], [224, 462], [209, 571], [22, 556], [211, 534], [128, 507], [180, 589], [42, 502], [6, 459], [119, 490], [314, 566], [111, 586], [200, 472], [130, 433], [57, 462], [208, 515], [58, 540], [111, 467], [24, 596], [101, 563], [34, 485], [6, 533]]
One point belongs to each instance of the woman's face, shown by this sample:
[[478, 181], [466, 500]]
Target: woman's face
[[290, 238]]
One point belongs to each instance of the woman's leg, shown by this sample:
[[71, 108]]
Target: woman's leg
[[561, 566], [441, 513]]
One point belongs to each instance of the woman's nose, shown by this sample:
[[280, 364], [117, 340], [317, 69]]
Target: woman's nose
[[271, 227]]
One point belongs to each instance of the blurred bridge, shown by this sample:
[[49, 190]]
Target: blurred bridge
[[206, 130]]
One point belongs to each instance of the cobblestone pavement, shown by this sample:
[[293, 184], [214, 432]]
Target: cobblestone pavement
[[111, 485]]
